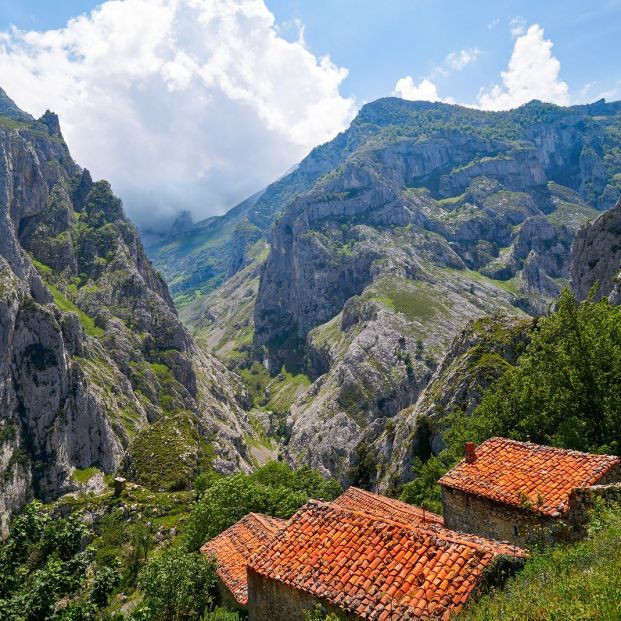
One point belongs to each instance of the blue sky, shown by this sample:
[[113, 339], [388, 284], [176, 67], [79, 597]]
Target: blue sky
[[196, 104], [380, 41]]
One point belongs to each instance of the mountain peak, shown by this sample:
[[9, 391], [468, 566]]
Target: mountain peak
[[9, 108], [50, 119]]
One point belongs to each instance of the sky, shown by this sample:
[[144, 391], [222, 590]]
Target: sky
[[196, 104]]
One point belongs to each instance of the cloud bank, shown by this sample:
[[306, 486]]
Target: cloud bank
[[425, 90], [181, 104], [533, 73]]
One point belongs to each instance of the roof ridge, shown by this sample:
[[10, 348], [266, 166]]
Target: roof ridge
[[445, 534], [266, 521], [400, 504], [547, 447]]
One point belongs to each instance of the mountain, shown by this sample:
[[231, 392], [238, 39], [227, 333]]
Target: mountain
[[98, 374], [348, 279], [596, 257]]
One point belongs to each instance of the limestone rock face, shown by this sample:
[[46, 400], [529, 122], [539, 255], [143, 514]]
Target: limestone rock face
[[596, 258], [419, 227], [474, 360], [382, 245], [93, 354]]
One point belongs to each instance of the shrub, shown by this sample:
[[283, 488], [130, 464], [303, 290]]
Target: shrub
[[177, 585]]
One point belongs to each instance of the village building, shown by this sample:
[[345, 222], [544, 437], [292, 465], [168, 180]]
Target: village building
[[232, 549], [523, 492], [359, 565]]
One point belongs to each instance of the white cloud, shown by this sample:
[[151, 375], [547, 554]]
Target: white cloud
[[179, 103], [517, 26], [611, 94], [533, 73], [458, 60], [425, 90]]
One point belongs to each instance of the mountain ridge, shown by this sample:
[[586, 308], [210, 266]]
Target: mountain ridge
[[383, 243], [99, 375]]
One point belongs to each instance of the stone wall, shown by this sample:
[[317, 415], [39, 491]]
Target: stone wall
[[270, 600], [480, 516], [227, 598], [583, 499]]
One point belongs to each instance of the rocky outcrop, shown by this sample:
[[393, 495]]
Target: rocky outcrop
[[596, 258], [488, 210], [94, 356], [476, 358], [498, 205]]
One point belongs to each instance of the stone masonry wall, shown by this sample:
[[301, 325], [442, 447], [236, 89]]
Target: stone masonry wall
[[270, 600], [473, 514], [480, 516], [227, 598]]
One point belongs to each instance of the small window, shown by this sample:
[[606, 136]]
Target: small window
[[516, 530]]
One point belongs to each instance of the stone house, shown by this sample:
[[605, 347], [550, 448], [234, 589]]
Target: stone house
[[522, 492], [232, 549], [360, 565]]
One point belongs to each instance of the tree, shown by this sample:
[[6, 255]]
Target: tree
[[177, 585], [565, 389]]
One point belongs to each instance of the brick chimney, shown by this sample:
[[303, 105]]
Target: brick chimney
[[471, 455]]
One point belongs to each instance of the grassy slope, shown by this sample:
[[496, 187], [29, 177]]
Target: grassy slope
[[580, 582]]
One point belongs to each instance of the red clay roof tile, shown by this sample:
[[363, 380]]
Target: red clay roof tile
[[383, 507], [363, 580], [523, 474], [233, 547]]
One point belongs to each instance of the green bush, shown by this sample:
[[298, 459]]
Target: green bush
[[42, 561], [274, 489], [221, 614], [177, 585]]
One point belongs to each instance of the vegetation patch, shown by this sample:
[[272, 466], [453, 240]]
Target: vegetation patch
[[84, 475], [581, 582], [65, 304], [165, 455], [408, 297]]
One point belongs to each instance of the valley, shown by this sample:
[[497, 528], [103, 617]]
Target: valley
[[344, 283], [411, 285]]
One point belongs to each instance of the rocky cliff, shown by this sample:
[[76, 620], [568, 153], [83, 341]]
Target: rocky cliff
[[97, 374], [437, 216], [382, 245], [475, 359], [596, 258]]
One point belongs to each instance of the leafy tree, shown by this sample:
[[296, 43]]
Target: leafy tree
[[42, 561], [274, 489], [106, 580], [565, 389], [177, 585], [424, 491]]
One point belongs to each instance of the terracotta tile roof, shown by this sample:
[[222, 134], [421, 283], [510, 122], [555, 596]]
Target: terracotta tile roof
[[373, 567], [233, 547], [524, 474], [383, 507]]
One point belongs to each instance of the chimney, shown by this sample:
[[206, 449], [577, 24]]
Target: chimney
[[471, 455]]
